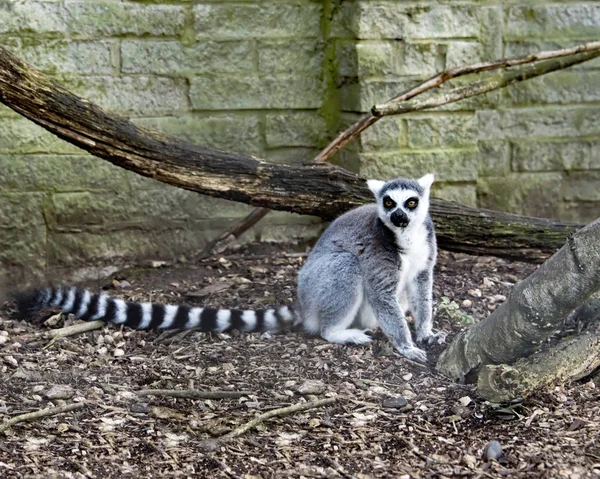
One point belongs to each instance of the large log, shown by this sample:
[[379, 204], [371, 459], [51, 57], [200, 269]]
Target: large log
[[313, 189], [534, 310]]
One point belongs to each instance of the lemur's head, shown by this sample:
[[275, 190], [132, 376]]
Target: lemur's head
[[402, 202]]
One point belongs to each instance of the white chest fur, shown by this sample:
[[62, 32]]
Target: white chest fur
[[415, 252]]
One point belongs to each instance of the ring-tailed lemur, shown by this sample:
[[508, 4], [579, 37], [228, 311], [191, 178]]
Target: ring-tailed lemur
[[368, 268]]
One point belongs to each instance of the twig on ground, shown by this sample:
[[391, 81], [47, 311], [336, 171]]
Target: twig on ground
[[193, 393], [78, 328], [284, 411], [30, 416]]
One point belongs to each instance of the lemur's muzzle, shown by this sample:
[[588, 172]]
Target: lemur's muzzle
[[399, 219]]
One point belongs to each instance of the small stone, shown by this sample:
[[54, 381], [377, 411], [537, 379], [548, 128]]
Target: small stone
[[125, 284], [467, 303], [469, 460], [492, 451], [266, 335], [62, 427], [465, 400], [499, 298], [407, 377], [118, 352], [139, 407], [103, 350], [3, 340], [476, 293], [311, 387], [59, 392], [408, 394], [488, 283], [394, 403]]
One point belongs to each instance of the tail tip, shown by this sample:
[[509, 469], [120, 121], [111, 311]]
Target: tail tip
[[28, 302]]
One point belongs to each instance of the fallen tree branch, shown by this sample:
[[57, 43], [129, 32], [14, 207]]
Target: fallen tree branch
[[193, 393], [434, 82], [534, 309], [314, 189], [73, 330], [284, 411], [31, 416], [495, 82]]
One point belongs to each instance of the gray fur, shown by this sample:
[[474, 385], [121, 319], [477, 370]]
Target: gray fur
[[356, 275]]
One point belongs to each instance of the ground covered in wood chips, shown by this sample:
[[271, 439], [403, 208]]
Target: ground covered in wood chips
[[392, 418]]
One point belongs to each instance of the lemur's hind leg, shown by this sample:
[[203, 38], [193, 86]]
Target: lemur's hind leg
[[336, 292]]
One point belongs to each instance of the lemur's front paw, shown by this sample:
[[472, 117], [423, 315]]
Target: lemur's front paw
[[433, 338], [414, 354]]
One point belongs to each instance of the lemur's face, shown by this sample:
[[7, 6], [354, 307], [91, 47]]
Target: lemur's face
[[402, 202]]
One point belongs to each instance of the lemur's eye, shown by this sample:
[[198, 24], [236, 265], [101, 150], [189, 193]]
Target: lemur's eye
[[411, 203], [388, 202]]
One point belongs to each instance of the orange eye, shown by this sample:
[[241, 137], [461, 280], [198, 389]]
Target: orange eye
[[411, 204], [388, 203]]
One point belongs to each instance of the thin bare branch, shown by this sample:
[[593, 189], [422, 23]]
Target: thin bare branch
[[496, 82], [284, 411], [32, 416], [437, 80], [193, 393]]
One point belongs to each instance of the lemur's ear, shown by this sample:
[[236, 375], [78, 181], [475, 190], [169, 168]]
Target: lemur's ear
[[375, 186], [426, 181]]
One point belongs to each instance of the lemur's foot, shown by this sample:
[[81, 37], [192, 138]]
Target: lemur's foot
[[414, 354], [433, 338]]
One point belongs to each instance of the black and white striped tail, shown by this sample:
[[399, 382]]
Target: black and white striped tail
[[90, 307]]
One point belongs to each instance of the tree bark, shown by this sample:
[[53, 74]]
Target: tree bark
[[534, 309], [314, 189]]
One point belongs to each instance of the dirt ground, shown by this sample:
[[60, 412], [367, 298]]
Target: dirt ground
[[368, 432]]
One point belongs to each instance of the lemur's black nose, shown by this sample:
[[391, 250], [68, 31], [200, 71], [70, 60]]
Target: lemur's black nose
[[399, 219]]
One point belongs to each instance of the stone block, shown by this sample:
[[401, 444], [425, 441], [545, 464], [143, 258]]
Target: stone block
[[460, 54], [133, 95], [574, 121], [168, 240], [421, 59], [252, 92], [582, 186], [463, 193], [368, 21], [490, 37], [263, 20], [442, 131], [106, 18], [173, 58], [21, 211], [285, 56], [59, 56], [447, 166], [574, 20], [143, 208], [395, 20], [59, 173], [555, 156], [494, 157], [441, 21], [291, 155], [580, 211], [19, 135], [32, 16], [295, 129], [562, 87], [522, 193], [387, 134], [231, 132]]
